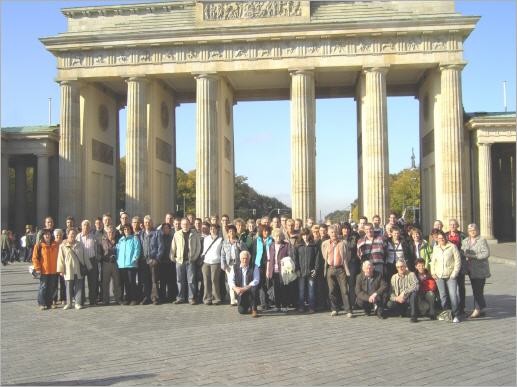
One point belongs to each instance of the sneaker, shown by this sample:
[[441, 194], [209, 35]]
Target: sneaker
[[193, 302], [413, 319], [456, 320], [133, 303], [254, 314], [334, 313], [42, 307], [284, 310], [441, 318], [179, 302], [67, 306], [349, 315], [78, 306]]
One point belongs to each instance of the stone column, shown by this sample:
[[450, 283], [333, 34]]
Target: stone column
[[20, 194], [5, 191], [485, 191], [70, 156], [42, 190], [448, 137], [207, 152], [375, 144], [303, 144], [136, 148]]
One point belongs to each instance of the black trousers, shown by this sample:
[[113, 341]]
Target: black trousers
[[398, 309], [355, 268], [478, 286], [247, 300], [168, 289], [128, 279], [460, 279]]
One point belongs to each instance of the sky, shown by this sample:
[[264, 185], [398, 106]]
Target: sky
[[262, 129]]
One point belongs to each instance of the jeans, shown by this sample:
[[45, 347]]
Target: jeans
[[128, 281], [47, 287], [246, 300], [311, 286], [74, 289], [186, 278], [478, 285], [450, 285]]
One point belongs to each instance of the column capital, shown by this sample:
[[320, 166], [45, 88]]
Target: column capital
[[376, 69], [452, 66], [301, 71], [137, 79], [481, 144], [68, 82], [207, 75]]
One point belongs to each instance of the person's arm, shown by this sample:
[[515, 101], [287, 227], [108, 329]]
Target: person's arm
[[256, 277], [172, 254], [411, 285], [224, 264], [457, 261], [36, 258], [137, 250], [482, 249]]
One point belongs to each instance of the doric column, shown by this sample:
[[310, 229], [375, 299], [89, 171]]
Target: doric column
[[5, 190], [70, 180], [449, 148], [207, 152], [136, 148], [303, 144], [20, 194], [375, 144], [42, 190], [485, 191]]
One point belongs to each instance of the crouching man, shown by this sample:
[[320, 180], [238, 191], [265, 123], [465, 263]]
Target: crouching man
[[371, 290], [404, 287], [244, 280]]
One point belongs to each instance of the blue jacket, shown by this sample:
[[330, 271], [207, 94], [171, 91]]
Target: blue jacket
[[259, 250], [128, 251], [154, 242]]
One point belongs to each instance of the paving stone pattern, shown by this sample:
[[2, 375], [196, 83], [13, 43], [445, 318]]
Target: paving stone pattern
[[202, 345]]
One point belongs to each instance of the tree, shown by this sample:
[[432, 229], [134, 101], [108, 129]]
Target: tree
[[338, 216], [405, 192], [186, 188]]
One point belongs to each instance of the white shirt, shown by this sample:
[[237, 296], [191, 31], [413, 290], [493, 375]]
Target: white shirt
[[254, 282], [212, 254]]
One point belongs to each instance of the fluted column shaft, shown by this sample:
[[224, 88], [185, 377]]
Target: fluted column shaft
[[137, 188], [303, 144], [207, 150], [20, 195], [5, 190], [449, 148], [375, 144], [42, 198], [70, 180], [485, 191]]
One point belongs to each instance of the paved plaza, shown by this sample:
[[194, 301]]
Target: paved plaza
[[194, 345]]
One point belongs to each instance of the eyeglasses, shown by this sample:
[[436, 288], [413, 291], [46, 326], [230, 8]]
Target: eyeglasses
[[400, 267]]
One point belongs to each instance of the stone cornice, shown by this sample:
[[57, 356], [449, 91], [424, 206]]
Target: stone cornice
[[130, 9], [492, 122]]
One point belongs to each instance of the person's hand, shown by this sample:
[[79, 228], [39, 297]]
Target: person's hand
[[400, 299], [372, 298]]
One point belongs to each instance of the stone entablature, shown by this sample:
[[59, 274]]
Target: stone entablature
[[493, 128]]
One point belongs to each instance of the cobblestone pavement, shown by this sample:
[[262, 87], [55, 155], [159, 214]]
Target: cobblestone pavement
[[197, 345]]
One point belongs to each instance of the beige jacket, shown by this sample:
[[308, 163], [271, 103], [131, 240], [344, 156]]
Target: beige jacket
[[68, 262], [445, 261], [178, 245]]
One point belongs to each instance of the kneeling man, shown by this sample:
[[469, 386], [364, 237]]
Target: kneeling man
[[404, 287], [244, 280], [371, 290]]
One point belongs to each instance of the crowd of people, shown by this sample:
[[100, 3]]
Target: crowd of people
[[259, 265]]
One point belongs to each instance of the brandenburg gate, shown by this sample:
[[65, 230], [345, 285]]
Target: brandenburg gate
[[151, 57]]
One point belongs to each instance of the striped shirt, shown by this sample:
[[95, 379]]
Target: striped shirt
[[89, 244]]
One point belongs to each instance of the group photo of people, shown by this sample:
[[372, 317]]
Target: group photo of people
[[260, 266]]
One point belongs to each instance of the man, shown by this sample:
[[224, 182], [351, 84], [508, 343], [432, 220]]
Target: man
[[377, 228], [168, 219], [168, 288], [69, 224], [404, 287], [275, 222], [185, 250], [370, 248], [392, 220], [264, 221], [371, 290], [27, 243], [99, 234], [283, 220], [176, 224], [360, 227], [243, 280], [48, 224], [323, 232], [124, 221], [140, 272], [91, 253], [225, 222], [336, 259], [109, 266], [197, 225], [148, 265], [309, 223]]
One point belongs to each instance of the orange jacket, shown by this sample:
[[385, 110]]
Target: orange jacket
[[44, 258]]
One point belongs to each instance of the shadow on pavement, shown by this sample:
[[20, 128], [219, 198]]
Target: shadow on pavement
[[88, 382]]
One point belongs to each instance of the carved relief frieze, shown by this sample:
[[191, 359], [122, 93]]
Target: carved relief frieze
[[233, 10], [234, 51]]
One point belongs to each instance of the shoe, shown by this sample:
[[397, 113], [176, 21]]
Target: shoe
[[145, 301], [42, 307], [177, 302], [193, 302], [78, 306], [216, 303], [284, 310], [441, 318], [208, 303], [432, 317], [349, 315], [277, 310], [233, 304], [254, 314], [475, 313], [456, 320], [312, 311], [53, 306], [67, 306], [367, 312], [334, 313], [413, 319], [155, 302], [133, 303]]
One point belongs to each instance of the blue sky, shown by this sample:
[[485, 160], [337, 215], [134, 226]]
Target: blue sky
[[262, 135]]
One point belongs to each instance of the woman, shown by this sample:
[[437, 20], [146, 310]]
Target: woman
[[44, 259], [476, 251], [278, 250], [397, 248], [70, 258], [420, 248], [445, 268], [60, 293], [128, 251], [211, 269], [260, 248], [307, 258]]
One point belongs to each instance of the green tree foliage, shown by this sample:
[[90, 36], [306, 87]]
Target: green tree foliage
[[338, 216], [405, 192], [186, 189]]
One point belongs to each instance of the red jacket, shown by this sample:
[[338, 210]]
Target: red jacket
[[426, 282]]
